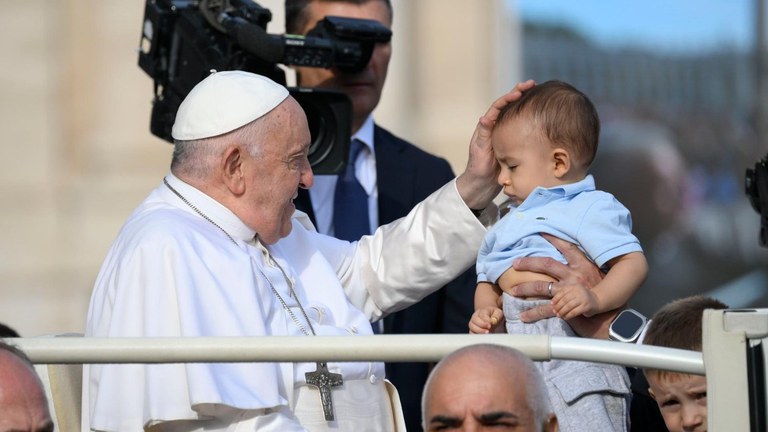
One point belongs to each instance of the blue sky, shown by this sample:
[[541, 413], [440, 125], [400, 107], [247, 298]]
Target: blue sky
[[665, 25]]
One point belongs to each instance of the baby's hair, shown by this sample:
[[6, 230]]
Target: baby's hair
[[565, 115], [678, 324]]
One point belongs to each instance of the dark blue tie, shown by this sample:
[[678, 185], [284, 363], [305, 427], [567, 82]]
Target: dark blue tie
[[350, 203]]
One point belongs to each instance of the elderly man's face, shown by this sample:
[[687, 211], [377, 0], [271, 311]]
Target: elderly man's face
[[23, 406], [276, 176], [466, 396]]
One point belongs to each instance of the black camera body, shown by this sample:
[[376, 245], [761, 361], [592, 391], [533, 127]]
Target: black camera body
[[756, 184], [183, 40]]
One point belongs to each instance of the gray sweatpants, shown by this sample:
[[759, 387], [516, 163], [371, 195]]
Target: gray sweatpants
[[585, 396]]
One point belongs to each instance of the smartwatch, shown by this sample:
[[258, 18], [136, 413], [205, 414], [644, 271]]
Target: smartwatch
[[627, 326]]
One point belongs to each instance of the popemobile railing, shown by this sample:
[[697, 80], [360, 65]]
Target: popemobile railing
[[732, 350], [388, 348]]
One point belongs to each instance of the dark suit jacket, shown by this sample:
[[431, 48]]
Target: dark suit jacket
[[405, 176], [644, 413]]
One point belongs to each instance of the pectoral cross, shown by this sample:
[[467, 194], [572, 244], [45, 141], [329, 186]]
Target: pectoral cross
[[324, 380]]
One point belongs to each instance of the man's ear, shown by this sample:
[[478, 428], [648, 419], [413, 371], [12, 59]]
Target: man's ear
[[562, 162], [550, 425], [231, 162]]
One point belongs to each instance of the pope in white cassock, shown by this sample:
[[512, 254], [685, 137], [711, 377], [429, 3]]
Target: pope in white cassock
[[218, 249]]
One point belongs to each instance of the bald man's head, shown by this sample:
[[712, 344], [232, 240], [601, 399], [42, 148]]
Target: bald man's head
[[487, 385], [23, 406]]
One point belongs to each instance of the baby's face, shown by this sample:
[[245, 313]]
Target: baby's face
[[525, 156], [682, 400]]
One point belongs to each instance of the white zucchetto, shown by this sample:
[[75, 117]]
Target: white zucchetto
[[225, 101]]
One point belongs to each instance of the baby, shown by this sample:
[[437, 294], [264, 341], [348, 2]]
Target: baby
[[545, 143]]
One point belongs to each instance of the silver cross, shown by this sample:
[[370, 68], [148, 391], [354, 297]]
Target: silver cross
[[324, 380]]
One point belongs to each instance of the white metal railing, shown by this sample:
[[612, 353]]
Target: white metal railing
[[390, 348], [726, 336]]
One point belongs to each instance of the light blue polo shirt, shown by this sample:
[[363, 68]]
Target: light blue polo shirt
[[576, 212]]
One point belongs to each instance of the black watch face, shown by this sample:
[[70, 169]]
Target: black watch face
[[627, 325]]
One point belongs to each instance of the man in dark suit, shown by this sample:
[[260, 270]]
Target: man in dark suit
[[396, 176]]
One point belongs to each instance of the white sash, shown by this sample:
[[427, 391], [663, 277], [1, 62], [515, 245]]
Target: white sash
[[358, 405]]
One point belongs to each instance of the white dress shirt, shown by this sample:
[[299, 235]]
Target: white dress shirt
[[365, 170]]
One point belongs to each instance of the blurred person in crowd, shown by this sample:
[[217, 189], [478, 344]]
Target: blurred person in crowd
[[677, 229]]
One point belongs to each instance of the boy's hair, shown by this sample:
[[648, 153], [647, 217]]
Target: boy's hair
[[565, 115], [678, 325]]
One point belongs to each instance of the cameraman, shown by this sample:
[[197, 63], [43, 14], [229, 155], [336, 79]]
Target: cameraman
[[395, 175]]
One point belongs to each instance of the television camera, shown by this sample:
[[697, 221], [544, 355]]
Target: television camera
[[183, 40], [756, 184]]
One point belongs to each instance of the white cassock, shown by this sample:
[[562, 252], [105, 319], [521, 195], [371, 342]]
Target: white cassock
[[172, 273]]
